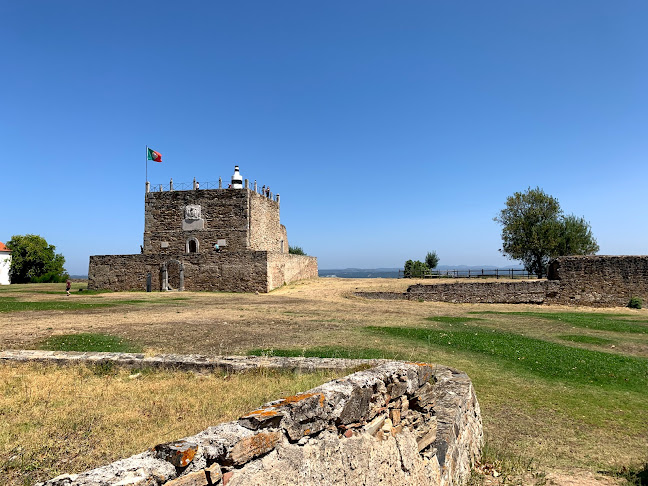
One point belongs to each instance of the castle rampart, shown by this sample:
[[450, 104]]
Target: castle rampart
[[593, 280]]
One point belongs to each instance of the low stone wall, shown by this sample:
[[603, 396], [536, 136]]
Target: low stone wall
[[397, 423], [593, 280], [383, 295], [525, 292], [191, 362]]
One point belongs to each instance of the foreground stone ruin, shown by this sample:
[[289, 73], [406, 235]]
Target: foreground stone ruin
[[396, 423]]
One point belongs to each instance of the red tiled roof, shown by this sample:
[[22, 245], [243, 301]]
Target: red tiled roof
[[3, 247]]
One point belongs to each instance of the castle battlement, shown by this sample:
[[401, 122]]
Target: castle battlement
[[209, 185]]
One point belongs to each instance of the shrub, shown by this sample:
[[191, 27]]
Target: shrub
[[635, 303], [415, 269], [50, 277], [296, 250]]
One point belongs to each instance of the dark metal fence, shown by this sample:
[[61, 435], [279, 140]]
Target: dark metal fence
[[475, 273]]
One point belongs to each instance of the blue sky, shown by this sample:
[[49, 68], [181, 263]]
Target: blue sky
[[389, 128]]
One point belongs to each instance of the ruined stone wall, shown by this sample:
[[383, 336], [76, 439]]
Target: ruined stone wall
[[265, 229], [286, 268], [227, 271], [599, 280], [593, 280], [398, 423], [225, 214], [524, 292], [123, 272]]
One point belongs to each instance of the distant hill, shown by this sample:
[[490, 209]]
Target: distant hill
[[360, 273], [393, 272]]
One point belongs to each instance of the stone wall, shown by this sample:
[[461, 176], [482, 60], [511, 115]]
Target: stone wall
[[524, 292], [285, 268], [244, 218], [594, 280], [227, 271], [246, 271], [599, 280], [398, 423], [224, 212], [265, 229]]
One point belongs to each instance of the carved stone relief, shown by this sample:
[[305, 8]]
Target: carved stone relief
[[193, 218]]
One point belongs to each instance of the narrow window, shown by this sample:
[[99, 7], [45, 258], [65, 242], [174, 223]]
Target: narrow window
[[192, 245]]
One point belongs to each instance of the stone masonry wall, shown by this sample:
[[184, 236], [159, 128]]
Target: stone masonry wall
[[265, 229], [231, 272], [398, 423], [593, 280], [599, 280], [525, 292], [285, 268], [227, 214]]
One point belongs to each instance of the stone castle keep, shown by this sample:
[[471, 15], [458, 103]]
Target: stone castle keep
[[206, 239]]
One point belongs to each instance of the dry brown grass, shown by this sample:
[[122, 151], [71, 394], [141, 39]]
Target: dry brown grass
[[55, 420], [535, 420]]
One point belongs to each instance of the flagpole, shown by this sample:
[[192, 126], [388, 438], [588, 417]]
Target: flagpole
[[146, 164]]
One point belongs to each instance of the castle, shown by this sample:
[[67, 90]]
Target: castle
[[222, 239]]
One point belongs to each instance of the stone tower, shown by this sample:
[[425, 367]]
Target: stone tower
[[206, 239]]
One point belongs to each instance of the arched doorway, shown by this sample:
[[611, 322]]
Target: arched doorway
[[172, 276]]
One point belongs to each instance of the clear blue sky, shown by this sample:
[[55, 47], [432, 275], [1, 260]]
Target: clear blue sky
[[389, 128]]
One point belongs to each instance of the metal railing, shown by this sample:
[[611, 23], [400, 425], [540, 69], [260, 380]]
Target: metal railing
[[210, 185], [475, 273]]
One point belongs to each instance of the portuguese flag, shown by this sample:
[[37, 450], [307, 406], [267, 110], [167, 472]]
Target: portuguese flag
[[153, 155]]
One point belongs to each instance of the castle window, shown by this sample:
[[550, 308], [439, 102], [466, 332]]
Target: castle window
[[192, 245]]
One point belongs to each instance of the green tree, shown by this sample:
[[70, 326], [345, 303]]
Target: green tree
[[432, 260], [415, 269], [296, 250], [575, 237], [33, 258], [534, 230]]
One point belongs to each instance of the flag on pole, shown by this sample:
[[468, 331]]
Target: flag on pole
[[153, 155]]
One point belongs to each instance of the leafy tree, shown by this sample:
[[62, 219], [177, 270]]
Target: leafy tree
[[296, 250], [534, 230], [415, 269], [33, 259], [431, 260], [576, 237]]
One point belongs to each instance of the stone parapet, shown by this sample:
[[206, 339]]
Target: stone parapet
[[397, 423]]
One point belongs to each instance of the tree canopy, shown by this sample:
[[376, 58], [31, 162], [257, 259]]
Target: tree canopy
[[33, 259], [534, 230], [431, 260]]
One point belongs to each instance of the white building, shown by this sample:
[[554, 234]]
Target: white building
[[5, 261]]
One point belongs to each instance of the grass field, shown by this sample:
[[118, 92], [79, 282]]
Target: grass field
[[563, 390]]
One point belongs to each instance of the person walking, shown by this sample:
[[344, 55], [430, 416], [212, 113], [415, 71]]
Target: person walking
[[68, 286]]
